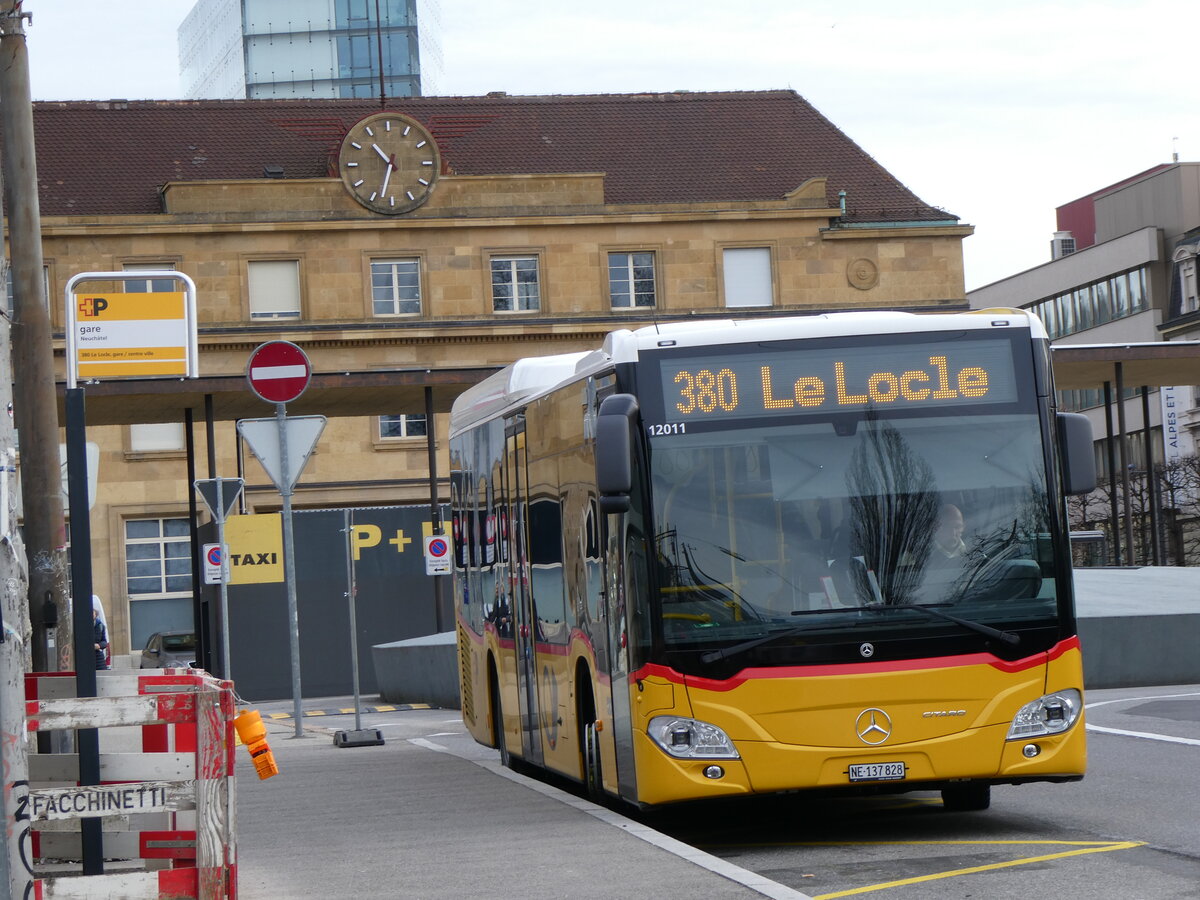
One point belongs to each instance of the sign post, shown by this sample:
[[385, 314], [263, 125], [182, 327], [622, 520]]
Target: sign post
[[278, 372], [359, 737], [220, 495]]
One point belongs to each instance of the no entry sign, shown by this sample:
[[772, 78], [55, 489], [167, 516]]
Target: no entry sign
[[278, 371]]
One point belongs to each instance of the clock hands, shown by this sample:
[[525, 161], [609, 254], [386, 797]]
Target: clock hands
[[387, 174]]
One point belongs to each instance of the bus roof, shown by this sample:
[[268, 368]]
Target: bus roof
[[515, 385]]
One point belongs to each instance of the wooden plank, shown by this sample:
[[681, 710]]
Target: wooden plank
[[64, 767], [67, 845], [110, 799], [120, 886], [104, 712]]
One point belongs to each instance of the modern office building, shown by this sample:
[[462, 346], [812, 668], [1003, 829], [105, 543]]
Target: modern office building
[[1123, 270], [256, 49], [508, 227]]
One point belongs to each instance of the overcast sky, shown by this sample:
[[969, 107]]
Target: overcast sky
[[995, 112]]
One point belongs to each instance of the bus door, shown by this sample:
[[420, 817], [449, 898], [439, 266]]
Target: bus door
[[524, 615]]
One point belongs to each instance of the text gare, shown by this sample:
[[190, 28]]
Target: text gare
[[707, 391]]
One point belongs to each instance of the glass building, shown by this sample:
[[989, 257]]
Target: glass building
[[231, 49]]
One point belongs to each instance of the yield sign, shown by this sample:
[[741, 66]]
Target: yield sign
[[278, 371], [219, 494], [264, 439]]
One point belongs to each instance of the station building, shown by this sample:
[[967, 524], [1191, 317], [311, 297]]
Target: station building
[[409, 251]]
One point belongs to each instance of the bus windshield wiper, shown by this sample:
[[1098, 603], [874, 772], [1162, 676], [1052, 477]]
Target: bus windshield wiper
[[1007, 636], [726, 652]]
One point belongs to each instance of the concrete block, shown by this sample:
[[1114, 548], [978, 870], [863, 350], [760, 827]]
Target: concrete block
[[419, 670]]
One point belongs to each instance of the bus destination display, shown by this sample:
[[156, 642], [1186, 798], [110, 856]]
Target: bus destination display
[[771, 382]]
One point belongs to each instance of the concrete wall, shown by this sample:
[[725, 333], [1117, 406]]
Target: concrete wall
[[419, 670]]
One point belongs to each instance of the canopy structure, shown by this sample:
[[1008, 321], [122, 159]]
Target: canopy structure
[[1113, 368], [1151, 365]]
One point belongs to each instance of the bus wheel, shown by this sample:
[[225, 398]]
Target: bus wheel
[[592, 775], [967, 797], [498, 740]]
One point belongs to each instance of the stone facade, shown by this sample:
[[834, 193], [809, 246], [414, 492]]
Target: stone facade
[[212, 230]]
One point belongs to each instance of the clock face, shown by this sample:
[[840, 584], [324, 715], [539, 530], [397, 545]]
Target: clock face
[[389, 163]]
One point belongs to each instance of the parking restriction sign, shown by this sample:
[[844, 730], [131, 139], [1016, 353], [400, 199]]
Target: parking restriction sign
[[437, 555]]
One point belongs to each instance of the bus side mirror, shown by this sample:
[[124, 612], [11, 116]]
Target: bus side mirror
[[1078, 457], [614, 451]]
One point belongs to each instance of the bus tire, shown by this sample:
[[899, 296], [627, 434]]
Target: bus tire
[[589, 737], [593, 774], [967, 797], [497, 714]]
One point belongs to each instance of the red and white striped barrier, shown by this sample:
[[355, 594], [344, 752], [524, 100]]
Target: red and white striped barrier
[[167, 791]]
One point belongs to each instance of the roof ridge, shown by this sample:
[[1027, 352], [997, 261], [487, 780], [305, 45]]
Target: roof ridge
[[199, 103]]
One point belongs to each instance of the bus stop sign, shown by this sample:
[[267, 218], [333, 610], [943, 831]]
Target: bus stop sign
[[278, 371]]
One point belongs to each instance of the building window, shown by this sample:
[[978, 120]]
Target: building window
[[1189, 286], [748, 277], [9, 304], [158, 560], [402, 426], [151, 285], [274, 288], [631, 279], [395, 287], [158, 438], [515, 284], [1093, 304]]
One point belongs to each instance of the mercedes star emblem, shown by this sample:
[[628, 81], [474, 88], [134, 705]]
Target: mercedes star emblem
[[873, 726], [867, 650]]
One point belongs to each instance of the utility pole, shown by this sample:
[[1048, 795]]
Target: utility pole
[[15, 874], [35, 399]]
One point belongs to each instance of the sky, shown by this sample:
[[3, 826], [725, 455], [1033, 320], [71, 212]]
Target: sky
[[997, 113]]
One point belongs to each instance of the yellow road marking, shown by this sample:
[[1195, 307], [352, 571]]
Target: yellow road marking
[[1084, 847]]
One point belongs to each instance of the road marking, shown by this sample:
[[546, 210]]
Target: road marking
[[1139, 699], [345, 711], [1150, 736], [1084, 848], [1145, 735]]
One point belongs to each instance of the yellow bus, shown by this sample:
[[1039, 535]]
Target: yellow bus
[[723, 558]]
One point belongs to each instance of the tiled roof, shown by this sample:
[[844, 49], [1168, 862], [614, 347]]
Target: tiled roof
[[113, 157]]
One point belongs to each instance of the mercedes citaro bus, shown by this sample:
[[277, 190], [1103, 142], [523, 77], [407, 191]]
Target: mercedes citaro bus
[[725, 558]]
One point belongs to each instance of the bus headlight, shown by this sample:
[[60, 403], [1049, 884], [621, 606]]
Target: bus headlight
[[690, 738], [1051, 714]]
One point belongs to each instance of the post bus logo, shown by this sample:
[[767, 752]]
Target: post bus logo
[[91, 307], [873, 726]]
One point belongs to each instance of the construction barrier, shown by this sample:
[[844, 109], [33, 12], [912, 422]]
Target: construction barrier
[[167, 792]]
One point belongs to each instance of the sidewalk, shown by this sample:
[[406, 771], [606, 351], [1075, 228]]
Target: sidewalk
[[431, 814]]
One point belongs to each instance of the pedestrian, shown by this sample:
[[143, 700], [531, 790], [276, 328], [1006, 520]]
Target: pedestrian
[[100, 637]]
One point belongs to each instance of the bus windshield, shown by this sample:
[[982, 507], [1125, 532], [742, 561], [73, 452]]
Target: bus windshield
[[837, 529]]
